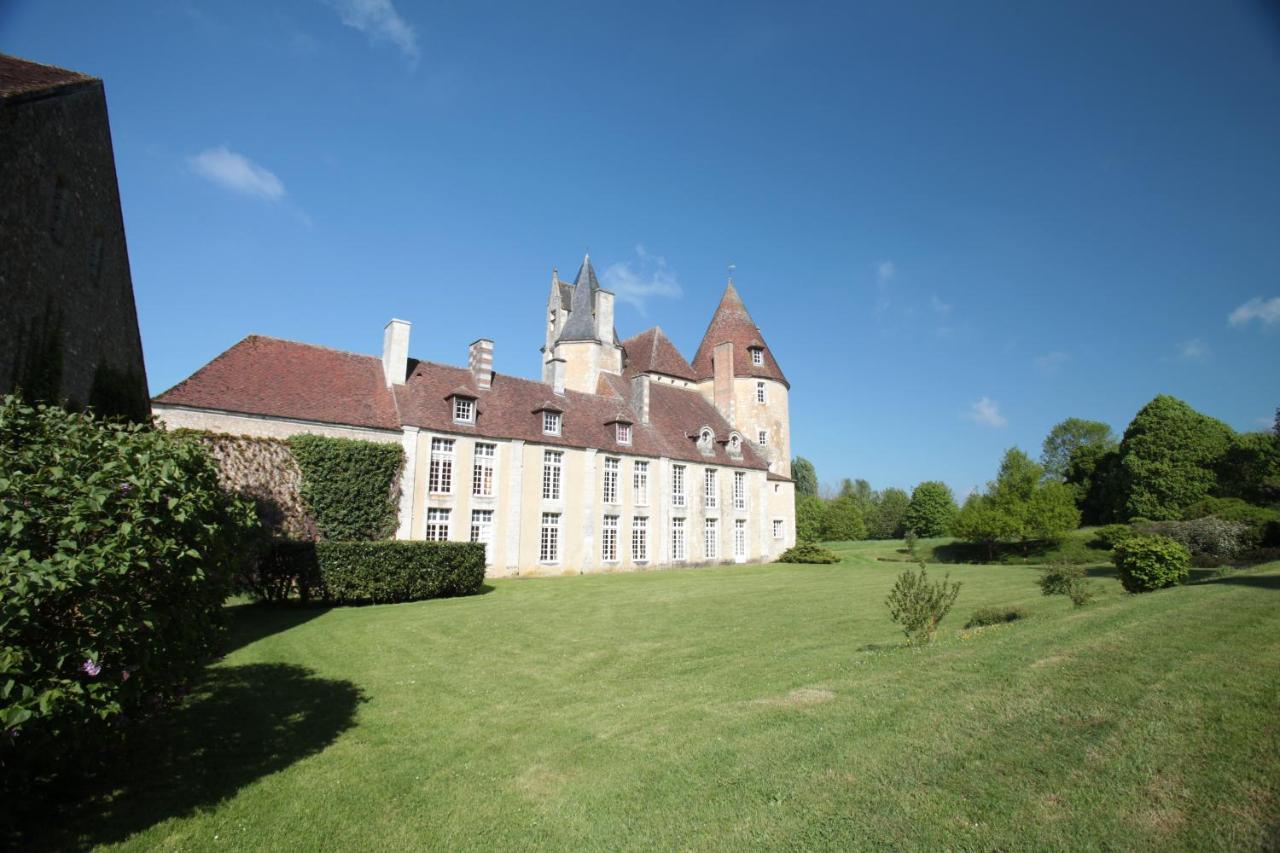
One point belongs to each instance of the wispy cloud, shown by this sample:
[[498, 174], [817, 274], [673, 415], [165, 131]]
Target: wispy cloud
[[1051, 362], [1194, 350], [939, 307], [885, 271], [636, 282], [379, 20], [1265, 311], [237, 173], [986, 412]]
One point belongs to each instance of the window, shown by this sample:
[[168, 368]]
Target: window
[[464, 410], [437, 525], [623, 433], [762, 438], [482, 531], [611, 466], [482, 470], [710, 488], [677, 485], [549, 542], [609, 539], [552, 460], [704, 441], [639, 539], [740, 539], [711, 538], [440, 474], [757, 356], [739, 490], [779, 528], [760, 398], [551, 423], [735, 445], [640, 483], [677, 539]]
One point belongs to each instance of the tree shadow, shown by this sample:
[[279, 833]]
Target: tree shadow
[[252, 622], [1262, 581], [242, 723]]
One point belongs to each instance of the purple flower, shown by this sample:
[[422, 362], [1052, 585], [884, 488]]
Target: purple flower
[[125, 488], [124, 676], [91, 668]]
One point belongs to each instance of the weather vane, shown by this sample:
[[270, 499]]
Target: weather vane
[[732, 267]]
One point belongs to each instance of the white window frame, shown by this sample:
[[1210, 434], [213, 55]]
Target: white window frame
[[551, 423], [609, 539], [484, 467], [640, 482], [711, 488], [711, 538], [440, 470], [622, 433], [552, 474], [761, 395], [762, 437], [612, 465], [739, 490], [740, 539], [757, 356], [549, 538], [677, 485], [438, 519], [679, 540], [482, 531], [640, 539], [464, 410], [779, 528]]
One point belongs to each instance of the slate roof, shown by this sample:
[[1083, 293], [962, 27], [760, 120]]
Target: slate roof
[[20, 77], [582, 321], [652, 352], [731, 322]]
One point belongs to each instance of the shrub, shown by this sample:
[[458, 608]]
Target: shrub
[[1209, 539], [116, 551], [351, 487], [371, 572], [842, 521], [1068, 580], [911, 540], [807, 552], [931, 509], [1112, 535], [995, 616], [808, 518], [890, 512], [918, 604], [1150, 562]]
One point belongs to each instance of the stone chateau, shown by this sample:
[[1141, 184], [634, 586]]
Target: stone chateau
[[625, 456]]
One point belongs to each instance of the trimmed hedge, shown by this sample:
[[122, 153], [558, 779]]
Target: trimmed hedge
[[370, 572], [351, 487], [807, 552]]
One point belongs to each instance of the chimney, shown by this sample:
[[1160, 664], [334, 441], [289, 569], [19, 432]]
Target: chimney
[[640, 397], [557, 374], [395, 352], [604, 316], [722, 380], [480, 360]]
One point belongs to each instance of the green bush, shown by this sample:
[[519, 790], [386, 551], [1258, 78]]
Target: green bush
[[842, 521], [930, 510], [918, 604], [807, 552], [1069, 580], [1169, 458], [809, 509], [116, 551], [351, 487], [1147, 562], [995, 616], [1111, 535], [371, 572]]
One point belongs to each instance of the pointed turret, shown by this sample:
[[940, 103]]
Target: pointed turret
[[582, 325], [732, 324]]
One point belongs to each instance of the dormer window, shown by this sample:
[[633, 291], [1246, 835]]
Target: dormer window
[[706, 441], [464, 410], [757, 356], [551, 423], [622, 433], [735, 445]]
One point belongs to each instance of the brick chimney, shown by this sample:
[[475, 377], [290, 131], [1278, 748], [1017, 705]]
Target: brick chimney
[[395, 352], [480, 360]]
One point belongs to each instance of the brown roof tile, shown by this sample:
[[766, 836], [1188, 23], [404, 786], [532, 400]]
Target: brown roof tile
[[732, 323], [23, 77], [652, 352]]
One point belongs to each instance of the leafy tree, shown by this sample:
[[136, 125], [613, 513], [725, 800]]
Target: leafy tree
[[931, 509], [1017, 479], [1250, 469], [805, 475], [842, 520], [890, 512], [1018, 506], [1169, 458], [1050, 513], [1093, 474], [810, 510], [1069, 436], [918, 604], [984, 522]]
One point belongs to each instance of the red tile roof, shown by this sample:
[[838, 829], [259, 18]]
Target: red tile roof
[[652, 352], [21, 77], [732, 323], [286, 379]]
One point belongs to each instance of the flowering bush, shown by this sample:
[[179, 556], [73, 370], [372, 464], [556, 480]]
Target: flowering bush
[[116, 546], [1210, 540]]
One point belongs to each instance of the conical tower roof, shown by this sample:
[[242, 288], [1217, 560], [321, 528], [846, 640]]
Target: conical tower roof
[[732, 323], [582, 325]]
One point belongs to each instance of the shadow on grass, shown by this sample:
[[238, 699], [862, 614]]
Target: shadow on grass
[[1261, 581], [241, 724], [249, 623]]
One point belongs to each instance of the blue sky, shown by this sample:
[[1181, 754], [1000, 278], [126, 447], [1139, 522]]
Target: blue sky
[[956, 224]]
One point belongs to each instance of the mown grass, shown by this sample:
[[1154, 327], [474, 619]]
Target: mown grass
[[757, 707]]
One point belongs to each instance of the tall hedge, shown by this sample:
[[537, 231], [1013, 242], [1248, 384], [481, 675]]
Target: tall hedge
[[371, 572], [1169, 458], [351, 487]]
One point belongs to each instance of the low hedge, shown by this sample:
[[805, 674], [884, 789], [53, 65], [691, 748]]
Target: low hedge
[[807, 552], [369, 572]]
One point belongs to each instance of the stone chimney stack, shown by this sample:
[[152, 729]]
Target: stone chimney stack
[[722, 381], [480, 360], [640, 397], [395, 352], [557, 366]]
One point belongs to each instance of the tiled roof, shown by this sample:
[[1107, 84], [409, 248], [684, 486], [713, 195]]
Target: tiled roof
[[732, 323], [652, 352], [22, 77], [286, 379]]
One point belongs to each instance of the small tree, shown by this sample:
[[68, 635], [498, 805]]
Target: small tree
[[806, 477], [918, 604], [891, 510], [1068, 580], [983, 522], [1068, 437], [809, 513], [931, 509], [842, 520]]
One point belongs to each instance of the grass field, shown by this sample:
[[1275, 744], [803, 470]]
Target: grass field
[[757, 706]]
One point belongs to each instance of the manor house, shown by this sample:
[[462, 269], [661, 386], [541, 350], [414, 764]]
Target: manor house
[[625, 455]]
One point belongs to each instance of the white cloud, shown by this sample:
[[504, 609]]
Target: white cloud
[[237, 173], [1265, 311], [379, 20], [1193, 350], [1051, 362], [637, 282], [885, 272], [986, 412], [939, 307]]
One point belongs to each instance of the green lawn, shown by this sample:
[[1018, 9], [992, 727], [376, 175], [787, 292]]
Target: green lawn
[[758, 706]]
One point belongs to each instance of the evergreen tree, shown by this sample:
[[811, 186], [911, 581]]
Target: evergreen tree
[[1169, 458], [805, 475]]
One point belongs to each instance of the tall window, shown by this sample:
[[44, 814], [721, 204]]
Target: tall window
[[639, 539], [482, 531], [640, 483], [437, 525], [440, 475], [464, 410], [677, 539], [482, 470], [711, 538], [677, 485], [757, 356], [740, 538], [623, 433], [549, 542], [779, 528], [710, 488], [762, 438], [760, 392], [609, 539], [611, 466], [551, 423], [552, 460], [739, 490]]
